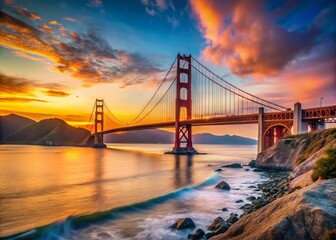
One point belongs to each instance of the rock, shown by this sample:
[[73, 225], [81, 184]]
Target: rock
[[218, 170], [258, 170], [305, 214], [224, 209], [247, 169], [233, 165], [197, 235], [252, 163], [239, 201], [252, 187], [209, 235], [246, 206], [183, 223], [232, 219], [223, 185], [217, 224], [303, 149], [251, 198]]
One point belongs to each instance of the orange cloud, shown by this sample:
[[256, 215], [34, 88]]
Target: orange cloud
[[53, 22], [86, 56], [244, 37]]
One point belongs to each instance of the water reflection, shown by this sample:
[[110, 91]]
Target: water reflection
[[183, 174], [99, 172]]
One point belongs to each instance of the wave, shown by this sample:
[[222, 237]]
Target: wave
[[59, 229]]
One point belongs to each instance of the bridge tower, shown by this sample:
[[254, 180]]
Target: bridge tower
[[183, 132], [99, 124]]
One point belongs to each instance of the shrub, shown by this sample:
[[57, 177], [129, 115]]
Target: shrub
[[330, 235], [325, 167]]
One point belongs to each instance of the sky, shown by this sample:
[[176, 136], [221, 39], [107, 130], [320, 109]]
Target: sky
[[57, 57]]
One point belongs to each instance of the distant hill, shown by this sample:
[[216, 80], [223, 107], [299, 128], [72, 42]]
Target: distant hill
[[49, 132], [160, 136], [12, 123]]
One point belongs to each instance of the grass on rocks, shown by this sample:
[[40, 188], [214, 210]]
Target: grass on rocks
[[325, 167]]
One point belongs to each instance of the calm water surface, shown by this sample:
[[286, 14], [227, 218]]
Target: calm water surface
[[42, 186]]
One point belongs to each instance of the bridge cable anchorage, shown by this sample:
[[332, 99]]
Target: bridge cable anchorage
[[249, 94], [157, 90]]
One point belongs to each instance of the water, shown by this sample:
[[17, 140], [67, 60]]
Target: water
[[140, 191]]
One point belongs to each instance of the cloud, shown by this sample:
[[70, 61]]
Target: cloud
[[54, 22], [87, 56], [173, 21], [246, 38], [69, 19], [27, 14], [9, 84], [56, 93], [20, 99], [13, 85], [95, 3], [153, 7]]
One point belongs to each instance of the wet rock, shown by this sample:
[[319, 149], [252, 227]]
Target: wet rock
[[252, 187], [239, 201], [224, 209], [252, 163], [247, 169], [217, 224], [233, 165], [258, 170], [218, 170], [232, 219], [209, 235], [223, 185], [246, 206], [183, 223], [197, 235], [104, 235], [251, 198]]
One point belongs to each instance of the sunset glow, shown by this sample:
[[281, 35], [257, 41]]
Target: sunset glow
[[57, 57]]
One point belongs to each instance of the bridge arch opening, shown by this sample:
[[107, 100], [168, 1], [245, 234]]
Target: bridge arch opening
[[183, 113], [183, 78], [184, 64], [275, 133], [99, 117], [183, 94]]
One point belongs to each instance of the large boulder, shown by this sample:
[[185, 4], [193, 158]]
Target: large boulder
[[183, 223], [223, 185], [304, 214]]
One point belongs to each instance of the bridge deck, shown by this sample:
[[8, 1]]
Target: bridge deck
[[327, 112]]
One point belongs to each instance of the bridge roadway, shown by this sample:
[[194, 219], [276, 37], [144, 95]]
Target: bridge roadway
[[327, 112]]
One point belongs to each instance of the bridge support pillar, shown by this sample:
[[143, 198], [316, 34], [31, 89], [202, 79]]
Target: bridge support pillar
[[261, 136], [183, 132], [99, 125], [298, 125]]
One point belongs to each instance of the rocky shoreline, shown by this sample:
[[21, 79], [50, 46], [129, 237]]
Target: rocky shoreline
[[276, 186]]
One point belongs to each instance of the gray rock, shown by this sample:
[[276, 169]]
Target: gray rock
[[223, 185], [239, 201], [251, 198], [218, 170], [217, 224], [224, 209], [233, 165], [197, 235], [183, 223], [252, 163], [209, 235], [247, 169], [232, 219]]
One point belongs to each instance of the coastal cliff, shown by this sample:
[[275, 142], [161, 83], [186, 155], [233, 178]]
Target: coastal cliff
[[308, 209]]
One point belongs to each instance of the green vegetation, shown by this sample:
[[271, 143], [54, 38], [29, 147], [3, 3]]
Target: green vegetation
[[313, 142], [330, 235], [325, 167]]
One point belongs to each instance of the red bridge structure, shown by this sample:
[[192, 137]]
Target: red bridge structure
[[192, 95]]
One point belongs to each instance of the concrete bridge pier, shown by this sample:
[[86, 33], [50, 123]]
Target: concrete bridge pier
[[299, 126], [261, 136]]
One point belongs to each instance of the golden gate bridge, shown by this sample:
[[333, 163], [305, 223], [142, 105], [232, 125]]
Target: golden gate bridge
[[192, 95]]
